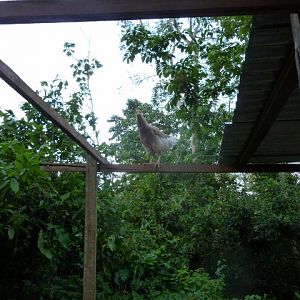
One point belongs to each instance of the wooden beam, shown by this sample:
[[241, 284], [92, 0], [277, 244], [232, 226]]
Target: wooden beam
[[249, 168], [90, 231], [54, 167], [123, 168], [296, 37], [283, 87], [12, 79], [47, 11]]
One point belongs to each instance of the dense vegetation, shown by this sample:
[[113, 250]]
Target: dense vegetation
[[160, 236]]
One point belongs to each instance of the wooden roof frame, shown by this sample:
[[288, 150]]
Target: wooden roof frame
[[37, 11], [33, 11], [182, 168], [12, 79], [12, 12]]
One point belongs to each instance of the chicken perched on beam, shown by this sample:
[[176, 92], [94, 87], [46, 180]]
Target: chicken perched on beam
[[153, 140]]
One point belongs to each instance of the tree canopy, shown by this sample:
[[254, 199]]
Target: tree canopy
[[198, 62]]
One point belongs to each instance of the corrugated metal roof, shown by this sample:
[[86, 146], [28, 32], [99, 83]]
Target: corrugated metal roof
[[270, 45]]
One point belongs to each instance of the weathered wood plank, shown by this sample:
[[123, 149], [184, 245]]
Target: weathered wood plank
[[92, 10], [12, 79], [220, 168], [54, 167], [201, 168], [90, 231]]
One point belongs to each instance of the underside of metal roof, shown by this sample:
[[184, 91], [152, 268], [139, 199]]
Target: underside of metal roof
[[266, 121]]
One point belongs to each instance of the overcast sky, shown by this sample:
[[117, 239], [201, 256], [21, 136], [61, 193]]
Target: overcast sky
[[35, 53]]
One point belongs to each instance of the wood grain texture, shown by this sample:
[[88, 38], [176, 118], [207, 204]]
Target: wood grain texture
[[220, 168], [200, 168], [90, 232], [95, 10]]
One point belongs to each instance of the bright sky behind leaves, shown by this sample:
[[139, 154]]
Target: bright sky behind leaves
[[35, 53]]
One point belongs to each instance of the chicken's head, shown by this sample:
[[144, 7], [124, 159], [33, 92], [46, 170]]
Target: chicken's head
[[138, 112]]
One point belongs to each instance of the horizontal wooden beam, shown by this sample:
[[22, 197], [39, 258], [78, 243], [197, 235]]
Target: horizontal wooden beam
[[201, 168], [283, 87], [47, 11], [123, 168], [12, 79], [55, 167]]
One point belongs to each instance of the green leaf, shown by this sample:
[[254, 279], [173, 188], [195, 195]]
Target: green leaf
[[111, 243], [63, 238], [42, 245], [3, 184], [14, 185], [11, 232], [65, 196]]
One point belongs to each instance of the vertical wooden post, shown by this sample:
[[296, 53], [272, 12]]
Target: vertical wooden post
[[296, 36], [90, 231]]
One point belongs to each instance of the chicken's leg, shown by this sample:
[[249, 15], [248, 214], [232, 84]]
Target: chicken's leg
[[158, 161], [151, 159]]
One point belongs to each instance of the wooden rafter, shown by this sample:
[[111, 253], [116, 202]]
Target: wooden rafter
[[296, 37], [20, 11], [123, 168], [12, 79], [283, 87]]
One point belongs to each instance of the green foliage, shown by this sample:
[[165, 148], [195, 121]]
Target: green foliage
[[198, 62], [41, 215], [254, 297], [36, 225], [247, 233]]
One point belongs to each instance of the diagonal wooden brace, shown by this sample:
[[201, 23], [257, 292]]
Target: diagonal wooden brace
[[12, 79]]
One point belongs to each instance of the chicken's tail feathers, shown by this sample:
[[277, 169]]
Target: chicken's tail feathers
[[172, 141]]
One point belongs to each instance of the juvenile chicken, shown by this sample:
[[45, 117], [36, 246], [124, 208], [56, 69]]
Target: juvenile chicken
[[153, 140]]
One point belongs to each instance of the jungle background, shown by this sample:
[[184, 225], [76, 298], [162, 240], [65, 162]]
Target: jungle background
[[160, 236]]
